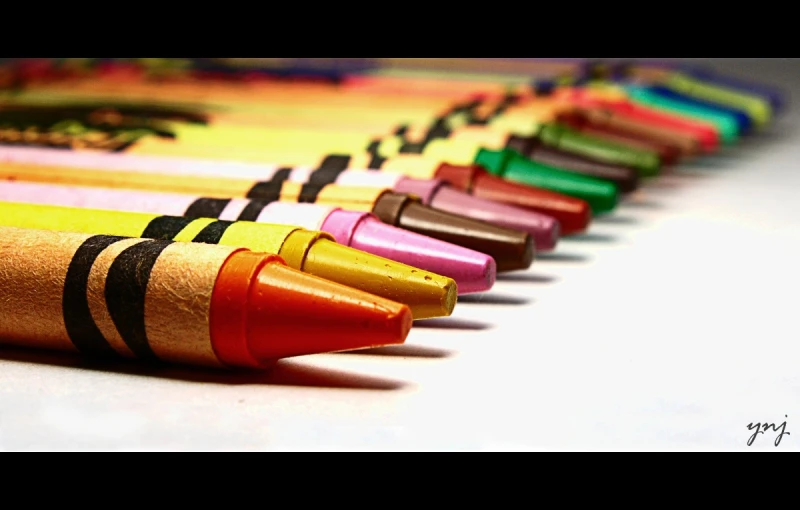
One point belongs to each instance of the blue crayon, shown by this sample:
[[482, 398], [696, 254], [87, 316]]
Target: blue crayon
[[742, 119]]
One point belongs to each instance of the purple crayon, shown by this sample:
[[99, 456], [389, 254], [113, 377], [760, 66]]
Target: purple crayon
[[473, 271]]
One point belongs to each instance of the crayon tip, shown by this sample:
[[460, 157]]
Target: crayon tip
[[602, 196], [473, 271], [428, 294], [647, 162], [743, 122], [572, 214], [334, 317], [511, 249], [544, 229], [625, 178]]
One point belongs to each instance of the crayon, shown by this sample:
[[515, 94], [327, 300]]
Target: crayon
[[442, 195], [668, 154], [743, 121], [511, 249], [264, 139], [758, 102], [698, 81], [580, 110], [693, 80], [157, 300], [472, 271], [681, 143], [573, 215], [756, 108], [613, 101], [684, 86], [378, 116], [435, 193], [550, 133], [637, 96], [331, 107], [278, 114], [724, 123], [427, 294], [506, 70], [655, 72], [624, 177], [775, 96], [646, 161], [655, 89], [269, 145], [412, 82]]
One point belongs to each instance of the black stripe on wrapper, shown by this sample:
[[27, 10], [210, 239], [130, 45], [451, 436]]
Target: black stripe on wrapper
[[125, 291], [309, 193], [281, 175], [377, 160], [253, 209], [80, 325], [212, 233], [329, 170], [266, 190], [270, 190], [207, 207], [165, 227]]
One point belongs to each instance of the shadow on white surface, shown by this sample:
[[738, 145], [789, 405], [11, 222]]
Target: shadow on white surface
[[404, 351], [591, 237], [525, 277], [453, 323], [285, 372], [616, 219], [563, 257], [493, 299]]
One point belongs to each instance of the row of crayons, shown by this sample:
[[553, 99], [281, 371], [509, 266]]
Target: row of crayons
[[232, 212]]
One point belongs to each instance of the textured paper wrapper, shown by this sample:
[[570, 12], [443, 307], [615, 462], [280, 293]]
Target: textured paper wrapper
[[208, 186], [356, 198], [33, 268], [178, 302]]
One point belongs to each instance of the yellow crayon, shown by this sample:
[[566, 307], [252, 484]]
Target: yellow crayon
[[427, 294]]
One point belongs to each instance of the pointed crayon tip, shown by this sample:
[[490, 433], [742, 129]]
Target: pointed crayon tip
[[544, 229], [334, 317], [473, 271], [511, 249], [602, 196], [427, 294], [573, 214]]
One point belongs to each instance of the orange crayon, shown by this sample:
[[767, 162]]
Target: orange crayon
[[188, 303]]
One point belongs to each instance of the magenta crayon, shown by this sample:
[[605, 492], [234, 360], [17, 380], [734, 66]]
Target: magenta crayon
[[472, 271], [436, 193]]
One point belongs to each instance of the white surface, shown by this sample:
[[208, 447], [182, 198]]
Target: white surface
[[704, 265]]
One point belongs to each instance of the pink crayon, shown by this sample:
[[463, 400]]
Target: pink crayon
[[473, 271], [433, 192]]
